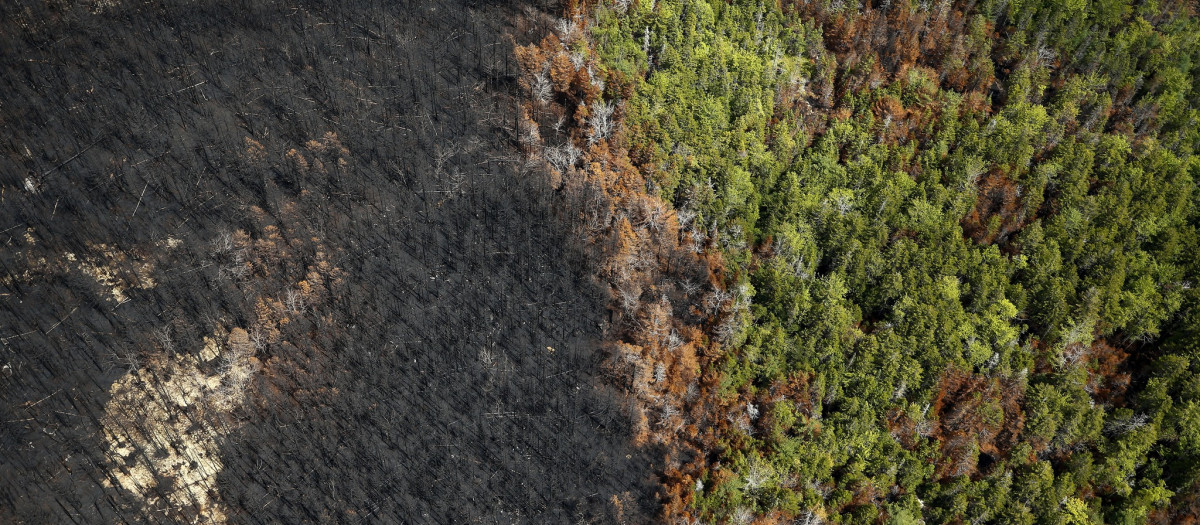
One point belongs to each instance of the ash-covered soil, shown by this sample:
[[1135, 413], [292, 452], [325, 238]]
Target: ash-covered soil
[[282, 263]]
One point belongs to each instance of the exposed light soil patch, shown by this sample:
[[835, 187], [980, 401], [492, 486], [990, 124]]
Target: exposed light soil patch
[[165, 421]]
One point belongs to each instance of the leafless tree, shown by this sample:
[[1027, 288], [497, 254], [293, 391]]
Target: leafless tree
[[236, 268], [698, 239], [293, 300], [596, 81], [685, 215], [128, 357], [527, 133], [563, 158], [669, 417], [643, 259], [809, 517], [727, 329], [654, 216], [741, 516], [674, 341], [578, 60], [487, 359], [162, 336], [689, 287], [596, 208], [1124, 426], [629, 296], [457, 179], [601, 120], [1045, 55], [758, 475], [565, 29], [715, 300], [258, 338], [975, 167], [223, 243], [542, 88], [441, 155], [229, 361]]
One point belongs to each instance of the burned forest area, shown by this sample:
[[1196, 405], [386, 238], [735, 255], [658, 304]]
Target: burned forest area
[[283, 262], [734, 262]]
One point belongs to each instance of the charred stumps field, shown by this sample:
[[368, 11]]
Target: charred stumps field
[[283, 264]]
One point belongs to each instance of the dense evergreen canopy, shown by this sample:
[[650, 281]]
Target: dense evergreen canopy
[[963, 240]]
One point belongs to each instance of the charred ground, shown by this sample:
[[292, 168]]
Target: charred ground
[[326, 196]]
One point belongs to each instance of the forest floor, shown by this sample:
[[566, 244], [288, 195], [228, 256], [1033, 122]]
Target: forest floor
[[285, 264]]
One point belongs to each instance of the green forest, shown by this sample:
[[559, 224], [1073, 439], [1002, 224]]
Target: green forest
[[960, 239]]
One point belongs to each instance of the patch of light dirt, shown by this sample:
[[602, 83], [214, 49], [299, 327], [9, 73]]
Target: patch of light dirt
[[105, 270], [161, 424], [100, 6], [115, 270], [170, 243]]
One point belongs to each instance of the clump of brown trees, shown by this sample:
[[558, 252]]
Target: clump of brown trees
[[658, 268]]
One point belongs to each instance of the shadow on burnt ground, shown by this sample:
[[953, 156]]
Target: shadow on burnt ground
[[449, 375]]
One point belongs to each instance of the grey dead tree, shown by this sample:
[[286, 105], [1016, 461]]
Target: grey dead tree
[[565, 29], [596, 208], [162, 336], [630, 298], [564, 157], [128, 357], [670, 417], [487, 359], [643, 259], [658, 324], [441, 155], [237, 268], [975, 166], [741, 516], [728, 329], [293, 300], [716, 299], [542, 88], [231, 258], [689, 287], [758, 474], [456, 180], [222, 243], [601, 120], [674, 341], [810, 518], [698, 238], [660, 373], [595, 81], [258, 338], [685, 215], [528, 133], [578, 60], [650, 214], [1126, 425]]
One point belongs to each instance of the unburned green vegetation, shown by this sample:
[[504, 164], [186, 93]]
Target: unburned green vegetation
[[956, 242]]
